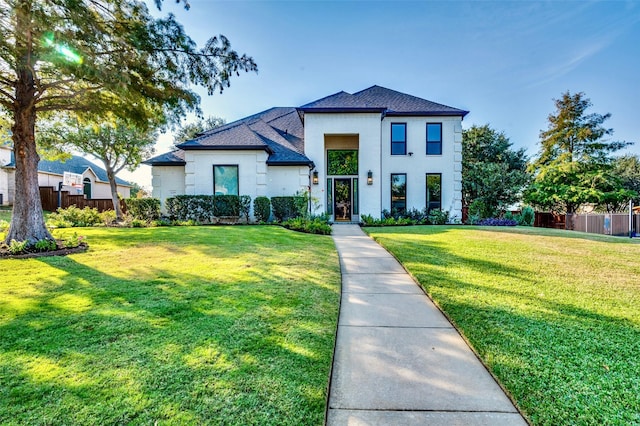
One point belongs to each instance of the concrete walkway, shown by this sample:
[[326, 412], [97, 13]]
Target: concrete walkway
[[398, 360]]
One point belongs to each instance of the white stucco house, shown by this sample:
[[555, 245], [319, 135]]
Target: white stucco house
[[95, 183], [361, 153]]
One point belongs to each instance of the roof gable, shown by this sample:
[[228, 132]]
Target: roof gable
[[278, 131], [380, 99]]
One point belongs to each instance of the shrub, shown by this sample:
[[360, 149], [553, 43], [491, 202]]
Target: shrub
[[17, 247], [285, 208], [497, 222], [419, 216], [527, 216], [147, 209], [245, 207], [196, 208], [73, 241], [438, 217], [72, 216], [45, 245], [138, 223], [479, 209], [226, 206], [4, 225], [108, 217], [308, 225], [262, 209]]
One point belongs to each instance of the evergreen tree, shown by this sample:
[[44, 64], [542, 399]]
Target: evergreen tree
[[574, 166]]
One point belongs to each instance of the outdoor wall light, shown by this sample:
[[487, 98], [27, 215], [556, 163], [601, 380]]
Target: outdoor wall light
[[314, 179], [369, 178]]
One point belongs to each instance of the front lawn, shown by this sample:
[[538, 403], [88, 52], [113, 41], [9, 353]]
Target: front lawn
[[554, 314], [5, 214], [177, 325]]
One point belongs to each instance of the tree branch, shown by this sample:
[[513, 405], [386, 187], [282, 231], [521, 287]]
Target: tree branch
[[7, 95]]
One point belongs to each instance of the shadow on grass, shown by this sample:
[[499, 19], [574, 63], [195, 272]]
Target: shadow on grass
[[99, 349], [564, 361]]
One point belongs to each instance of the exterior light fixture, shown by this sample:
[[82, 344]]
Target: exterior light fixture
[[369, 178], [314, 179]]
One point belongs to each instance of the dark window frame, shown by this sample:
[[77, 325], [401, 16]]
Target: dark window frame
[[402, 143], [434, 147], [226, 165], [404, 209], [428, 201]]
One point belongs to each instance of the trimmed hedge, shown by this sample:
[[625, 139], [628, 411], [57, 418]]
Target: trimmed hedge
[[262, 209], [147, 209], [203, 209], [197, 208], [226, 206]]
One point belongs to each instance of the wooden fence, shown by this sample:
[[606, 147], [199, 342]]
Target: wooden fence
[[549, 220], [606, 224], [49, 197]]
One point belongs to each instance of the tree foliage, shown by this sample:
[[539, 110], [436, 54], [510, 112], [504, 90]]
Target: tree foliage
[[574, 166], [493, 174], [117, 145], [627, 169], [190, 130], [97, 56]]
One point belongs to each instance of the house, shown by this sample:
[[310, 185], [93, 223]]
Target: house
[[50, 173], [361, 153]]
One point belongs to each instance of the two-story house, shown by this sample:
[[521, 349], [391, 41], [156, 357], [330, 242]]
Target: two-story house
[[359, 153]]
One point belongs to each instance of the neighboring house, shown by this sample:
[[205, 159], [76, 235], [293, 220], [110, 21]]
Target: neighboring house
[[50, 173], [359, 153], [6, 174]]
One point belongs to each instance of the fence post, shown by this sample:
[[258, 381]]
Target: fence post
[[630, 218]]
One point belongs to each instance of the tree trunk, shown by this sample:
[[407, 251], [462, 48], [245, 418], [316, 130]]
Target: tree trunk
[[27, 221], [114, 190]]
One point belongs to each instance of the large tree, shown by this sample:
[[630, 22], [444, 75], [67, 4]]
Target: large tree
[[191, 130], [96, 56], [493, 173], [574, 165]]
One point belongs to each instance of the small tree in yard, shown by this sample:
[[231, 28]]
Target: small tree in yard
[[96, 57], [117, 145], [574, 166]]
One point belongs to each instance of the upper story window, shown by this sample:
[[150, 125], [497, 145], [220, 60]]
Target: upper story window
[[225, 180], [434, 138], [398, 138]]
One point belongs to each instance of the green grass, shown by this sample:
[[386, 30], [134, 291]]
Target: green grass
[[5, 214], [178, 325], [554, 314]]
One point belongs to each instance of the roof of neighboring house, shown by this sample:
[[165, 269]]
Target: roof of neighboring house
[[280, 131], [377, 98], [79, 165]]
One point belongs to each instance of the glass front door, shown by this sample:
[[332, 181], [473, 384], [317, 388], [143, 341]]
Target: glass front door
[[342, 200]]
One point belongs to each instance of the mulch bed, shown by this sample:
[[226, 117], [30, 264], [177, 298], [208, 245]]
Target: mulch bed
[[61, 251]]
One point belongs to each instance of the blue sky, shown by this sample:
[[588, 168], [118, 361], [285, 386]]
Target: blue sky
[[504, 62]]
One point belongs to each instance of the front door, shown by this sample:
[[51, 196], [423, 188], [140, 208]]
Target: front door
[[342, 201]]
